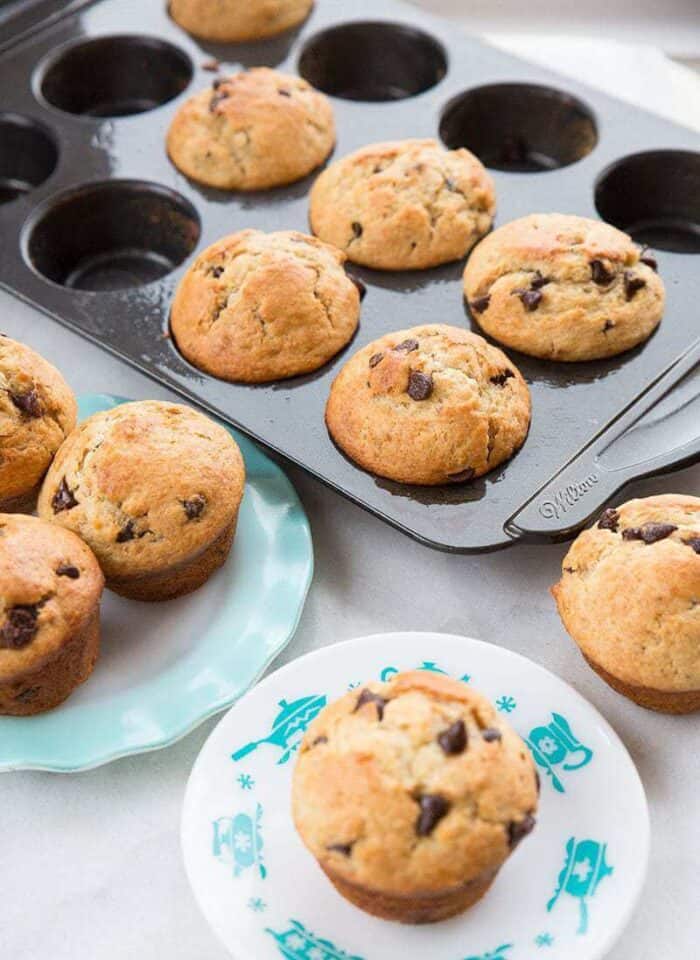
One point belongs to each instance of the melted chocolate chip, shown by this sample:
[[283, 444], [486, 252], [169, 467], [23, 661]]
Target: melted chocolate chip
[[194, 507], [453, 740], [344, 848], [480, 304], [127, 532], [420, 385], [406, 346], [569, 569], [28, 403], [609, 520], [20, 626], [217, 81], [63, 498], [490, 734], [538, 783], [361, 288], [600, 273], [218, 97], [462, 475], [693, 543], [367, 696], [517, 830], [375, 359], [450, 184], [356, 229], [539, 281], [68, 570], [500, 378], [433, 808], [318, 741], [649, 532], [649, 261], [530, 299], [632, 284], [216, 272], [284, 93]]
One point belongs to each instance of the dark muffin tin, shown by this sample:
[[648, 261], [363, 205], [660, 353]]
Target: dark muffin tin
[[97, 228]]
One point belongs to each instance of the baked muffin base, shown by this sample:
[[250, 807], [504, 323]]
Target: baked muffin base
[[663, 701], [22, 503], [416, 908], [181, 579], [54, 681]]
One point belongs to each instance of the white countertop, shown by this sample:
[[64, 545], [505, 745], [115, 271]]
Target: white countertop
[[90, 863]]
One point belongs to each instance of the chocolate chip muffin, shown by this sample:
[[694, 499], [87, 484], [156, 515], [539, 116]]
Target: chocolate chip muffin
[[629, 596], [405, 205], [252, 131], [262, 306], [37, 410], [229, 21], [411, 795], [50, 588], [154, 488], [429, 405], [564, 288]]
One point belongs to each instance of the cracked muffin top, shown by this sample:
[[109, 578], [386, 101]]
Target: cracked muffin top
[[252, 131], [147, 485], [262, 306], [229, 21], [413, 785], [629, 594], [564, 288], [405, 205], [429, 405], [37, 410], [50, 583]]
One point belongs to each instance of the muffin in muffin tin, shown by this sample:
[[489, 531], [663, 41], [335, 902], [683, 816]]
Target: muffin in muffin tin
[[228, 21]]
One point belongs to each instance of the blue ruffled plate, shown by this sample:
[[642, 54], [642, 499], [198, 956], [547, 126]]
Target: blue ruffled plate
[[165, 667]]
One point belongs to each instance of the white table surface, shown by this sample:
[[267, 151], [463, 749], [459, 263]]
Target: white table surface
[[90, 864]]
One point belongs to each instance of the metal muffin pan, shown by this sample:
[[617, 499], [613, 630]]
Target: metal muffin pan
[[98, 228]]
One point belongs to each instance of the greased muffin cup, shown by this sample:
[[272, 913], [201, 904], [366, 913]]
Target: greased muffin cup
[[564, 288], [228, 21], [154, 488], [629, 596], [251, 131], [429, 405], [257, 306], [411, 794], [403, 205], [50, 588], [37, 411]]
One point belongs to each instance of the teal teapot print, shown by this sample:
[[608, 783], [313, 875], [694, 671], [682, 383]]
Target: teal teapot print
[[288, 728], [238, 841], [584, 868], [554, 745]]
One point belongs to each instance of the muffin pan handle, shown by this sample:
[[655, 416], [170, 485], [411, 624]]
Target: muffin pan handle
[[658, 432], [23, 22]]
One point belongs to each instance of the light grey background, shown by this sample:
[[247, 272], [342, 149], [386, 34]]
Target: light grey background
[[90, 865]]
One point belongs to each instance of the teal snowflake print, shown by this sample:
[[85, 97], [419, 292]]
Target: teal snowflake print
[[506, 704], [544, 940], [245, 781], [500, 953], [257, 905], [354, 685]]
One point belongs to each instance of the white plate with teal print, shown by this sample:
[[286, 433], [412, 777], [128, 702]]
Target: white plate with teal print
[[164, 667], [566, 893]]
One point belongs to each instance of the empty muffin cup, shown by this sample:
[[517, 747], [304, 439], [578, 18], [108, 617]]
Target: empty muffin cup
[[114, 76], [28, 155], [111, 235], [655, 197], [373, 61], [520, 127]]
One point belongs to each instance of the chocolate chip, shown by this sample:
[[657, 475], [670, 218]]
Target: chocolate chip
[[420, 385], [127, 532], [632, 284], [407, 346], [462, 475], [538, 783], [318, 741], [649, 261], [216, 272], [517, 830], [433, 808], [490, 734], [569, 569], [284, 93], [693, 543], [28, 403], [450, 184], [211, 65], [375, 359], [63, 498], [453, 740], [20, 626], [356, 229], [480, 304], [217, 81], [538, 281], [608, 325], [367, 696], [344, 848], [649, 532], [530, 299], [361, 288], [68, 570], [194, 507], [600, 273], [500, 378], [609, 520], [218, 97]]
